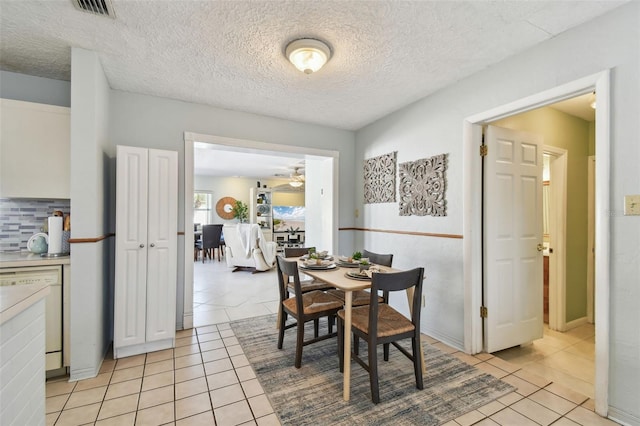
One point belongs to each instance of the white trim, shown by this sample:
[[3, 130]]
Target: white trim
[[558, 285], [239, 145], [601, 385], [591, 176], [623, 417], [187, 317], [472, 241], [576, 323]]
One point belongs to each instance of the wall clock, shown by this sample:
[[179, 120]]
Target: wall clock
[[224, 207]]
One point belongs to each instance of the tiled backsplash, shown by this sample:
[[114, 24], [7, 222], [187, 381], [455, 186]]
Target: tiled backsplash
[[21, 218]]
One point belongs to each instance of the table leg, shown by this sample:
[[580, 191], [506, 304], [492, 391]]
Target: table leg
[[348, 297], [410, 292]]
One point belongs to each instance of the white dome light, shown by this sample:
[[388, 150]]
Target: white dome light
[[307, 54]]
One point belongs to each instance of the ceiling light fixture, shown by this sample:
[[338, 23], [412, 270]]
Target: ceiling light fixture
[[592, 100], [308, 54], [295, 183]]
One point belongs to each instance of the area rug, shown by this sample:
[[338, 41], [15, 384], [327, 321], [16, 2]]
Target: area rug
[[313, 393]]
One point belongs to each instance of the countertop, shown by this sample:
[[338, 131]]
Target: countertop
[[15, 259], [16, 298]]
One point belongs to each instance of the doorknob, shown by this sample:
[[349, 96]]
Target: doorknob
[[153, 245], [141, 245], [540, 247]]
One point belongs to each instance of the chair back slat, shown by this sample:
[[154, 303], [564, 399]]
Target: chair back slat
[[296, 251], [287, 272], [378, 259]]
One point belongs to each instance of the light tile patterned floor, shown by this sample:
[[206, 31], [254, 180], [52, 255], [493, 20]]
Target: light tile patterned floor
[[207, 380]]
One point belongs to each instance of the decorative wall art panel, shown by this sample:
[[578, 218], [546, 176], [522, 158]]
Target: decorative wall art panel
[[422, 187], [380, 179]]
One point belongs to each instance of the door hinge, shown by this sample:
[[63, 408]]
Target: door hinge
[[484, 312], [484, 150]]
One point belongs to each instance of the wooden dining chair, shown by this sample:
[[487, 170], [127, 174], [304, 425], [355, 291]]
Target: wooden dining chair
[[303, 307], [309, 284], [380, 324], [361, 297]]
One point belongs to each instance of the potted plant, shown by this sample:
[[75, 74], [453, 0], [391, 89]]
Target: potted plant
[[240, 211], [364, 265], [356, 256]]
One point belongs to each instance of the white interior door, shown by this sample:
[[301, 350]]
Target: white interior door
[[512, 206]]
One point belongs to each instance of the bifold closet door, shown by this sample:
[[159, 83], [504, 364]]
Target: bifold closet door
[[146, 250], [130, 298], [162, 250]]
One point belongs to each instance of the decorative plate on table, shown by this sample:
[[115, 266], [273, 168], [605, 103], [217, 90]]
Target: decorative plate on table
[[326, 257], [345, 264], [361, 276], [319, 267]]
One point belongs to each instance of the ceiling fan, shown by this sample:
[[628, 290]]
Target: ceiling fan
[[296, 178]]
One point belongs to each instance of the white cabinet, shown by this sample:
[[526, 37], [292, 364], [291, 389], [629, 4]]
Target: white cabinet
[[34, 150], [146, 250], [261, 211]]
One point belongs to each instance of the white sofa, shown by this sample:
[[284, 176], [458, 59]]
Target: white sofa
[[245, 247]]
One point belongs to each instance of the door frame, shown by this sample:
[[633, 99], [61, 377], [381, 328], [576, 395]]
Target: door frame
[[472, 217], [591, 162], [557, 269], [245, 145]]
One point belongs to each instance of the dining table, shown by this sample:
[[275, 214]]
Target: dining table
[[338, 278]]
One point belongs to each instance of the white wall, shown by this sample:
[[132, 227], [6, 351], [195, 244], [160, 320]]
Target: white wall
[[92, 263], [152, 122], [434, 126]]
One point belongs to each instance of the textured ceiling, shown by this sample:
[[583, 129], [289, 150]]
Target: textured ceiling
[[229, 54]]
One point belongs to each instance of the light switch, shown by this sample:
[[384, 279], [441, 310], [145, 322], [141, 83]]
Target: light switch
[[632, 205]]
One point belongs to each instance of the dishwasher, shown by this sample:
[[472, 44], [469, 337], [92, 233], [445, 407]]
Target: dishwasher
[[51, 275]]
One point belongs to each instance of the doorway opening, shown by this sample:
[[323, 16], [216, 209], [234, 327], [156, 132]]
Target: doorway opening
[[321, 196], [473, 240]]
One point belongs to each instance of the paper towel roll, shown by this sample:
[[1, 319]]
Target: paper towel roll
[[55, 234]]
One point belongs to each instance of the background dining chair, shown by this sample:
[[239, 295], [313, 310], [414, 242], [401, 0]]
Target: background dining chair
[[380, 324], [361, 297], [297, 251], [197, 241], [211, 241], [378, 259], [304, 307], [307, 284]]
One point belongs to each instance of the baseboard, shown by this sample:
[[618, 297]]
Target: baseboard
[[575, 323], [623, 417], [447, 340], [84, 373], [187, 321]]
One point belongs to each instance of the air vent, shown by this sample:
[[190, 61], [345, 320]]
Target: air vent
[[97, 7]]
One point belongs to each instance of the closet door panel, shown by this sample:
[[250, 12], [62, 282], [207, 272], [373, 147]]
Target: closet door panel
[[131, 246], [162, 229]]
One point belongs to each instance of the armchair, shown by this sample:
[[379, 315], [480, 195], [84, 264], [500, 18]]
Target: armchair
[[246, 248]]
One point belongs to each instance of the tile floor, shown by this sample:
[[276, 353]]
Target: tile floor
[[567, 358], [207, 380], [220, 295]]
